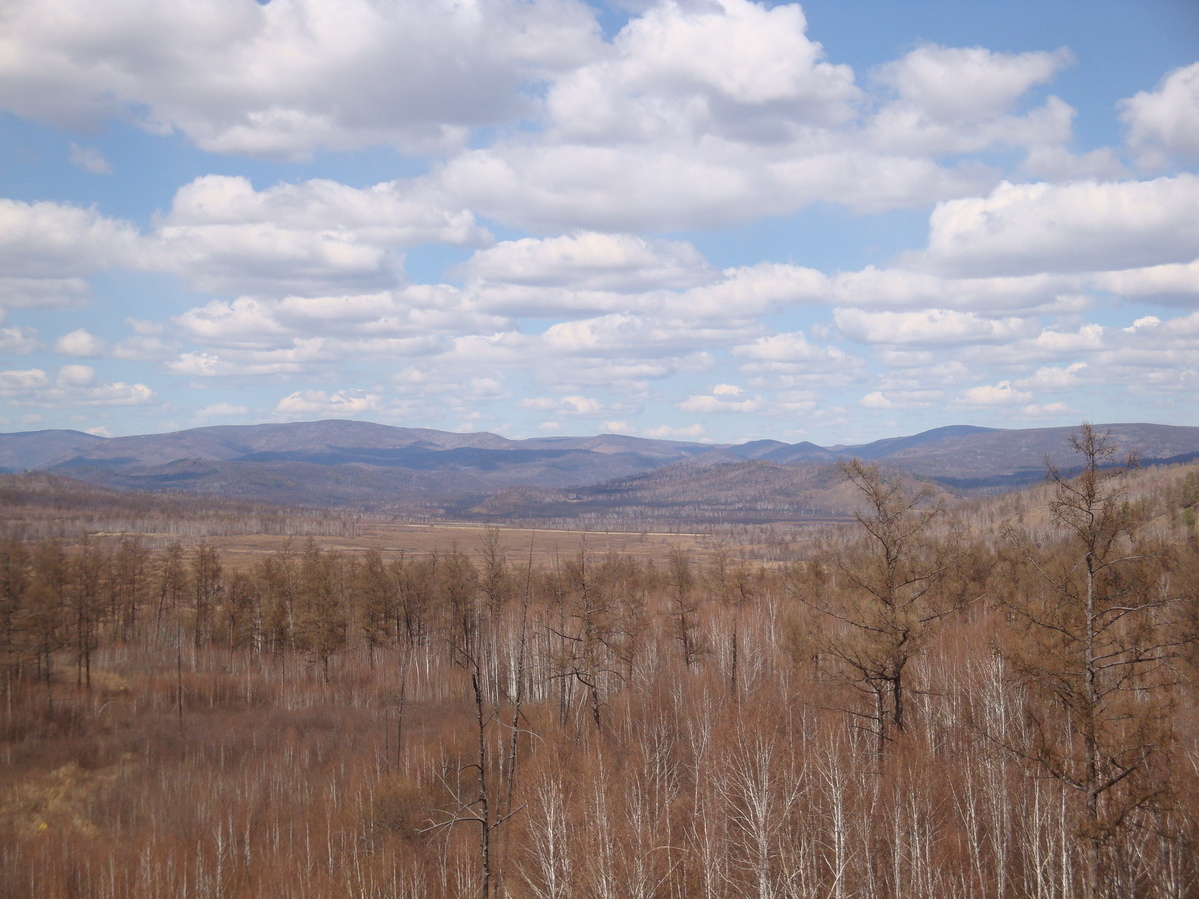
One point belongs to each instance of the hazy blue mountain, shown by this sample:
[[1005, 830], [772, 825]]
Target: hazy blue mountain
[[372, 466]]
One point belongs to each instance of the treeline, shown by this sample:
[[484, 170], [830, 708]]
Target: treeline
[[921, 707], [44, 506]]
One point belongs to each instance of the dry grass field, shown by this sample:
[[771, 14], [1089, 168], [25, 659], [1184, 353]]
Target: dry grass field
[[395, 540]]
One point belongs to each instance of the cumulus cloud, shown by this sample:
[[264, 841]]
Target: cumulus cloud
[[1001, 394], [1163, 124], [1172, 283], [566, 405], [901, 399], [789, 361], [18, 341], [723, 398], [713, 182], [1046, 410], [731, 68], [961, 100], [1023, 229], [631, 335], [309, 238], [80, 342], [677, 125], [320, 402], [1055, 377], [286, 78], [71, 385], [417, 320], [47, 250], [301, 356], [927, 327], [961, 84], [589, 260]]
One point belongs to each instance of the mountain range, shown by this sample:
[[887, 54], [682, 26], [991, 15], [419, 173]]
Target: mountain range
[[424, 472]]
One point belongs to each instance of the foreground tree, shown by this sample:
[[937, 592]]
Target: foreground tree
[[1090, 643], [875, 618]]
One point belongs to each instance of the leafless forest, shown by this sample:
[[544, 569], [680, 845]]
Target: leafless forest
[[995, 700]]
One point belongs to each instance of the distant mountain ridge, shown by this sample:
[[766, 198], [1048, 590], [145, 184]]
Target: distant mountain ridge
[[423, 471]]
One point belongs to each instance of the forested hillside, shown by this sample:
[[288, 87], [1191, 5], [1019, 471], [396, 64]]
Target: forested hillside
[[993, 700], [606, 481]]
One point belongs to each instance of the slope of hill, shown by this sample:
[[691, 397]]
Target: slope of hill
[[380, 468], [31, 449], [755, 492]]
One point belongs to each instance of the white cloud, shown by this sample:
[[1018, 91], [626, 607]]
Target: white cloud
[[1085, 226], [1163, 124], [753, 290], [712, 182], [1045, 410], [730, 68], [966, 84], [1001, 394], [588, 260], [307, 238], [791, 348], [286, 78], [47, 249], [1164, 283], [43, 293], [15, 382], [677, 125], [929, 327], [76, 376], [874, 288], [566, 405], [582, 405], [80, 342], [320, 402], [72, 385], [18, 341], [1055, 378], [309, 357], [724, 398], [417, 320], [788, 361], [960, 100], [90, 160], [901, 399], [632, 336]]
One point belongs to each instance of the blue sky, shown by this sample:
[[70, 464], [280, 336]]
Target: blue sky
[[721, 221]]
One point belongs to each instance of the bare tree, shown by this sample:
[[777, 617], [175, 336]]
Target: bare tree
[[1090, 645], [468, 645], [876, 618], [684, 607], [14, 585], [206, 579]]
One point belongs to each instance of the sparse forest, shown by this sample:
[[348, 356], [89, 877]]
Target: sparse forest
[[992, 700]]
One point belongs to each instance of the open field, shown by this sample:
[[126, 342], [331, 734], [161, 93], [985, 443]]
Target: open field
[[395, 540]]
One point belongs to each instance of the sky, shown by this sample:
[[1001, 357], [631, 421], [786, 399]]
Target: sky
[[716, 220]]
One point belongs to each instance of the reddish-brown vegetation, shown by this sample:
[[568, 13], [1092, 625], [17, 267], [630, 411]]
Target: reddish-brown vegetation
[[544, 716]]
